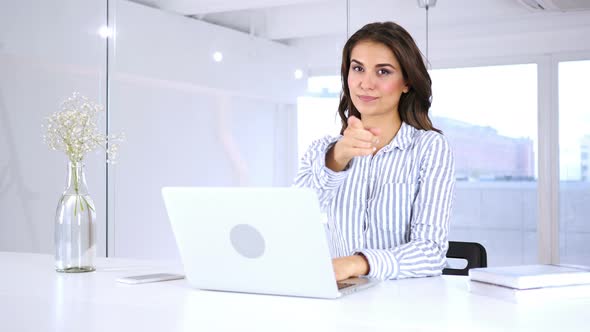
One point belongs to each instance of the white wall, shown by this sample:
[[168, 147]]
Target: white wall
[[191, 121], [48, 49]]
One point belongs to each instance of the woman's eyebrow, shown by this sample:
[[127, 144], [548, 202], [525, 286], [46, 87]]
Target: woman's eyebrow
[[385, 65], [377, 65]]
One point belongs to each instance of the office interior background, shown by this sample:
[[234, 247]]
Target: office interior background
[[231, 92]]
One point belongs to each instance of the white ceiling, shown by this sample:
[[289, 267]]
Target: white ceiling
[[283, 20], [194, 7], [320, 26], [291, 19]]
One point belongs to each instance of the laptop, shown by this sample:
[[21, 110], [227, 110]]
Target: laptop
[[255, 240]]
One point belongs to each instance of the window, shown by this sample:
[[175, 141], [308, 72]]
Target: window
[[317, 112], [489, 116], [574, 148]]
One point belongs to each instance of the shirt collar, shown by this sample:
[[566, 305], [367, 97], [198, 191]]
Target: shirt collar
[[403, 139]]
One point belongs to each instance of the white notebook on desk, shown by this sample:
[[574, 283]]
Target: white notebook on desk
[[532, 276], [530, 296]]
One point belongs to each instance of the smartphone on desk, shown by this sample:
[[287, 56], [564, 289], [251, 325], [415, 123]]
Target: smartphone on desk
[[154, 277]]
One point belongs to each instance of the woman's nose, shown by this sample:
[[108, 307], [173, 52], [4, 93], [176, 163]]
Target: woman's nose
[[367, 82]]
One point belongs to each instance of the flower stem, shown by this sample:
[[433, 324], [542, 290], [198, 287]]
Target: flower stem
[[88, 204]]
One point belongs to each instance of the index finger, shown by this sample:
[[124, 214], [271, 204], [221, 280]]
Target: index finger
[[354, 122]]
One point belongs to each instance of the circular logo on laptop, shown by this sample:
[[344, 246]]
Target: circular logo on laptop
[[247, 241]]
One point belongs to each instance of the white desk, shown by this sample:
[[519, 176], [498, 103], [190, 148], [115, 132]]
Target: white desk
[[35, 298]]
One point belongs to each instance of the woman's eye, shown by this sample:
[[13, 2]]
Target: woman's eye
[[383, 72], [357, 68]]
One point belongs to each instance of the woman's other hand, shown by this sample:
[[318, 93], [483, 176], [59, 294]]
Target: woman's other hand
[[350, 266]]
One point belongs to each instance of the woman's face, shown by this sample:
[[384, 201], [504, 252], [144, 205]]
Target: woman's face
[[375, 79]]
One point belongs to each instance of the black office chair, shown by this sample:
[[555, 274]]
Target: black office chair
[[474, 253]]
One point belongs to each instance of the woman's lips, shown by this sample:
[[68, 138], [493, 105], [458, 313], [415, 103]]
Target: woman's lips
[[367, 98]]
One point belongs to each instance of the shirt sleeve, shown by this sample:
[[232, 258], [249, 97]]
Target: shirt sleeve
[[314, 174], [425, 253]]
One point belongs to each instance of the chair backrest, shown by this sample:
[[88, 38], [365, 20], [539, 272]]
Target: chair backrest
[[473, 252]]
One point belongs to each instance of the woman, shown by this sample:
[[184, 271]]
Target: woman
[[386, 183]]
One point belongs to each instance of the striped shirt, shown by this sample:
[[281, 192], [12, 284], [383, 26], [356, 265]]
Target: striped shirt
[[392, 207]]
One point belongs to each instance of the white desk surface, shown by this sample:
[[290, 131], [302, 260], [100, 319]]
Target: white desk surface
[[33, 297]]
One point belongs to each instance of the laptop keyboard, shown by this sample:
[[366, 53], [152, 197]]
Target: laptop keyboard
[[342, 285]]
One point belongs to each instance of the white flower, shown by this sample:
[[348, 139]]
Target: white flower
[[74, 130]]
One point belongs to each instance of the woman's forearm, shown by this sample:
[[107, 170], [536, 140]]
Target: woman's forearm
[[334, 161]]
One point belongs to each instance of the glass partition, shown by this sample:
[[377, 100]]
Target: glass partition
[[211, 103], [48, 50]]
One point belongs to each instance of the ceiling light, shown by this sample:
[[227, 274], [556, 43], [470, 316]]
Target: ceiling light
[[426, 3], [105, 32], [298, 74], [217, 56]]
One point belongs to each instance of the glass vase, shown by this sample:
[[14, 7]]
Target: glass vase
[[75, 224]]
